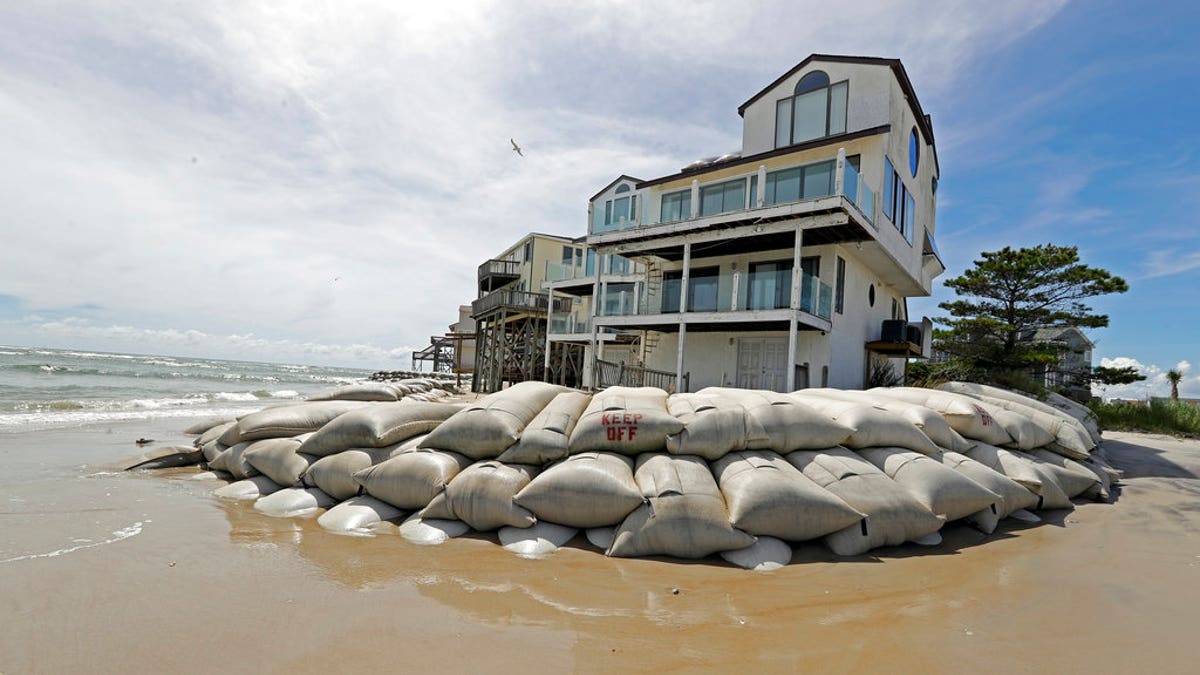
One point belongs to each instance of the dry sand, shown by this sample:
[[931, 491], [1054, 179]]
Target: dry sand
[[213, 586]]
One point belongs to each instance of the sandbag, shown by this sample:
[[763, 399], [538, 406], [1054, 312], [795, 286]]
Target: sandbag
[[1013, 496], [248, 488], [765, 495], [431, 532], [545, 438], [410, 480], [1075, 479], [764, 555], [358, 516], [277, 458], [1026, 470], [684, 515], [1071, 439], [201, 427], [962, 413], [211, 450], [712, 426], [537, 541], [591, 489], [361, 391], [626, 420], [287, 420], [939, 488], [893, 515], [928, 421], [377, 425], [487, 427], [167, 457], [294, 503], [214, 433], [873, 426], [1025, 434], [777, 422], [233, 460], [334, 474], [482, 496], [1079, 411]]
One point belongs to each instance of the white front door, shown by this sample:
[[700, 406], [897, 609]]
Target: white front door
[[762, 363]]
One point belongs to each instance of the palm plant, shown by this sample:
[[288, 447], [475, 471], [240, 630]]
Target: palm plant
[[1174, 377]]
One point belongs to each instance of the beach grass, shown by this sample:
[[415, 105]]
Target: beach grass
[[1156, 416]]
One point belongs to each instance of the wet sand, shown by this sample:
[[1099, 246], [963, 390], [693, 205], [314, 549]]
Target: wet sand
[[208, 585]]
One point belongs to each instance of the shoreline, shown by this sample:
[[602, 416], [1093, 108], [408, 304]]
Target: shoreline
[[207, 584]]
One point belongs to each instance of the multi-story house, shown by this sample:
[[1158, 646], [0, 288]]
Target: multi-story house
[[786, 264]]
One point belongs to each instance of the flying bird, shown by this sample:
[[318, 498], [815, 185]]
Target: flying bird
[[516, 148]]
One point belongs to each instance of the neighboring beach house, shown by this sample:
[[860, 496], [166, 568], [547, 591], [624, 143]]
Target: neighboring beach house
[[1073, 363], [453, 351], [785, 265]]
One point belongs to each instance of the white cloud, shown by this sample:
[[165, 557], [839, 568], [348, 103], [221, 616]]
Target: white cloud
[[331, 174], [1155, 384], [1164, 263]]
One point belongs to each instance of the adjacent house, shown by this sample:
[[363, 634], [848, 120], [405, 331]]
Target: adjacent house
[[453, 351], [783, 265], [1074, 363]]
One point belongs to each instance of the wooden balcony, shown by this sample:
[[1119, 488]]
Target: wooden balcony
[[496, 273], [518, 302]]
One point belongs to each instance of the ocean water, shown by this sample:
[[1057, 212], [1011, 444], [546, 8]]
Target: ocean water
[[43, 388]]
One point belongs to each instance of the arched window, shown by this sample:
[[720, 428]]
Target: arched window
[[815, 109], [622, 188], [914, 151]]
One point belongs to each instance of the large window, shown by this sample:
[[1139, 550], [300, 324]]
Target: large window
[[839, 300], [702, 290], [617, 213], [676, 206], [898, 203], [727, 196], [816, 109], [801, 182]]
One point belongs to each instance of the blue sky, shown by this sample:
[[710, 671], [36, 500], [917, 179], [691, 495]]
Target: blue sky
[[316, 182]]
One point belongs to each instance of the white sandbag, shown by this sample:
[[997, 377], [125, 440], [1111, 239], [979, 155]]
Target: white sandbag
[[1075, 479], [1074, 437], [1079, 411], [487, 427], [712, 426], [287, 420], [377, 425], [1025, 433], [212, 449], [233, 460], [431, 531], [601, 537], [215, 433], [545, 438], [938, 487], [684, 515], [535, 542], [962, 413], [213, 475], [361, 391], [277, 458], [894, 516], [294, 503], [362, 516], [411, 479], [764, 555], [248, 488], [482, 496], [334, 474], [626, 420], [777, 422], [1013, 495], [765, 495], [591, 489], [166, 457], [874, 426], [928, 421], [1026, 470], [199, 428]]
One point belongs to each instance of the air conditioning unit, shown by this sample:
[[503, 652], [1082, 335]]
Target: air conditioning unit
[[913, 333], [893, 330]]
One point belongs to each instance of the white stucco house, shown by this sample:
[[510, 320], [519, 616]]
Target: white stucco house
[[786, 264]]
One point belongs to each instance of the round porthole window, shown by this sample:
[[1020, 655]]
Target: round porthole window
[[871, 295], [914, 151]]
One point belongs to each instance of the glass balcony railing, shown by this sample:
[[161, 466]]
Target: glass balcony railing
[[737, 291], [571, 324], [803, 182], [615, 265]]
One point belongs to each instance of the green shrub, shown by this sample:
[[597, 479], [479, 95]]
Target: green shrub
[[1157, 416]]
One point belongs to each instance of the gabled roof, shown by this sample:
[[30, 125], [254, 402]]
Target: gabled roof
[[618, 180], [923, 120]]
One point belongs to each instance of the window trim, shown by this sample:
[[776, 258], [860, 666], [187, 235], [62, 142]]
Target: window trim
[[828, 88]]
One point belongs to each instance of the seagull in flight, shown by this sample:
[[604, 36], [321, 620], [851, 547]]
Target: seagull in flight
[[516, 148]]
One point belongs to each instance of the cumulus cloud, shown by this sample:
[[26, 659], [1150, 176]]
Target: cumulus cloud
[[1155, 384], [331, 174]]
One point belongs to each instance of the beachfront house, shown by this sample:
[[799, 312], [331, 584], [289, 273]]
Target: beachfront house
[[782, 265]]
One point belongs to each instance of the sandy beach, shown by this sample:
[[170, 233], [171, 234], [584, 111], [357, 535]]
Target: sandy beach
[[102, 571]]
